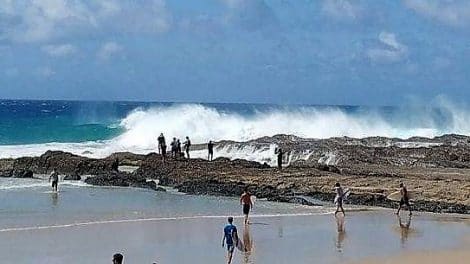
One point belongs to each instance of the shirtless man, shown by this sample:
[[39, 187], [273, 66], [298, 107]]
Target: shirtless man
[[404, 199], [245, 201], [55, 180], [339, 199]]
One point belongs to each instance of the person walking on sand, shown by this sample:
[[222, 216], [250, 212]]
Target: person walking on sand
[[404, 199], [280, 153], [187, 146], [210, 149], [245, 201], [339, 199], [230, 236], [55, 180], [118, 258]]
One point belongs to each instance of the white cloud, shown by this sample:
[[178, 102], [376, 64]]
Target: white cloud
[[341, 9], [45, 20], [392, 51], [45, 72], [108, 50], [62, 50], [450, 12]]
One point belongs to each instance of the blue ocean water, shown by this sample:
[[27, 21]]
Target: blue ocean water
[[32, 122], [32, 127]]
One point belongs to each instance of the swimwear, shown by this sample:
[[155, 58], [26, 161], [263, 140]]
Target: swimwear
[[246, 209], [405, 201], [54, 184]]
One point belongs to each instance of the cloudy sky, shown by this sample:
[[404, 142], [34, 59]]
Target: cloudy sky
[[266, 51]]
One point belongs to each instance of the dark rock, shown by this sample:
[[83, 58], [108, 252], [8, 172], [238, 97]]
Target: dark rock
[[22, 174], [72, 177], [121, 179]]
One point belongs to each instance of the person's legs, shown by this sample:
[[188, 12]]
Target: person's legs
[[230, 253], [399, 207], [409, 207], [246, 212]]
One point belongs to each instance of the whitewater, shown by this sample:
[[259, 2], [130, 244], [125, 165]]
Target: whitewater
[[141, 125]]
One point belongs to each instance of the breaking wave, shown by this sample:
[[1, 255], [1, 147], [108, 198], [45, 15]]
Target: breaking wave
[[203, 123]]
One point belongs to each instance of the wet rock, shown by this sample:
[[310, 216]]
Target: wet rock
[[121, 179], [72, 177]]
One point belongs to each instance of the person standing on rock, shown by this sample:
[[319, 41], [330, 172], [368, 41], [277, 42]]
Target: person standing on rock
[[210, 149], [187, 145], [230, 236], [174, 147], [280, 153], [339, 199], [178, 148], [245, 201], [405, 200], [55, 180], [161, 143]]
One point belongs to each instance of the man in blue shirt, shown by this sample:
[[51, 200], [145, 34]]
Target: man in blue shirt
[[230, 238]]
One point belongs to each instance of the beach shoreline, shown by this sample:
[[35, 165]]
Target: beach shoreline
[[297, 183]]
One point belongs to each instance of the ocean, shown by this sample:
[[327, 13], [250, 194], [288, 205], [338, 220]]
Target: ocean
[[87, 224], [97, 129]]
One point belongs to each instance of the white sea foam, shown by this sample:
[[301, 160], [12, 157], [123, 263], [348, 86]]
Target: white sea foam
[[203, 123], [40, 182]]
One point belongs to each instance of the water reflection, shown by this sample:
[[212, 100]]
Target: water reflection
[[55, 198], [404, 229], [341, 234], [248, 245]]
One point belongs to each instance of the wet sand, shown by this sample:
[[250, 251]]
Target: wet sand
[[276, 239], [455, 257], [88, 225]]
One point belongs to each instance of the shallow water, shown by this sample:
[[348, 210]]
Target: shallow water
[[84, 224]]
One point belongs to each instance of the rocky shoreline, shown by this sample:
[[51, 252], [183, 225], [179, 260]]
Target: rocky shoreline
[[439, 170]]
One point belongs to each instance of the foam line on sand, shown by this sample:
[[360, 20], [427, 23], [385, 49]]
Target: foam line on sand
[[154, 219]]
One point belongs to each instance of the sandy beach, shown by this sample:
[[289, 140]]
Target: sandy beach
[[88, 224], [455, 256]]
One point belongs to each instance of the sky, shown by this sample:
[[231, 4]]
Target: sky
[[364, 52]]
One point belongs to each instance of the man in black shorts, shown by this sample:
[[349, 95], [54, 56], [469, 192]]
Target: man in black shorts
[[55, 180], [245, 200], [404, 199]]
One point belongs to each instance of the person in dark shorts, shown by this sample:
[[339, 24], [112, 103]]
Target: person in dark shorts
[[210, 149], [280, 153], [55, 180], [245, 201], [118, 258], [230, 238], [187, 146], [404, 201]]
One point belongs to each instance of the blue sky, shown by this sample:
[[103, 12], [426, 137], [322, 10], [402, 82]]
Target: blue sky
[[266, 51]]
